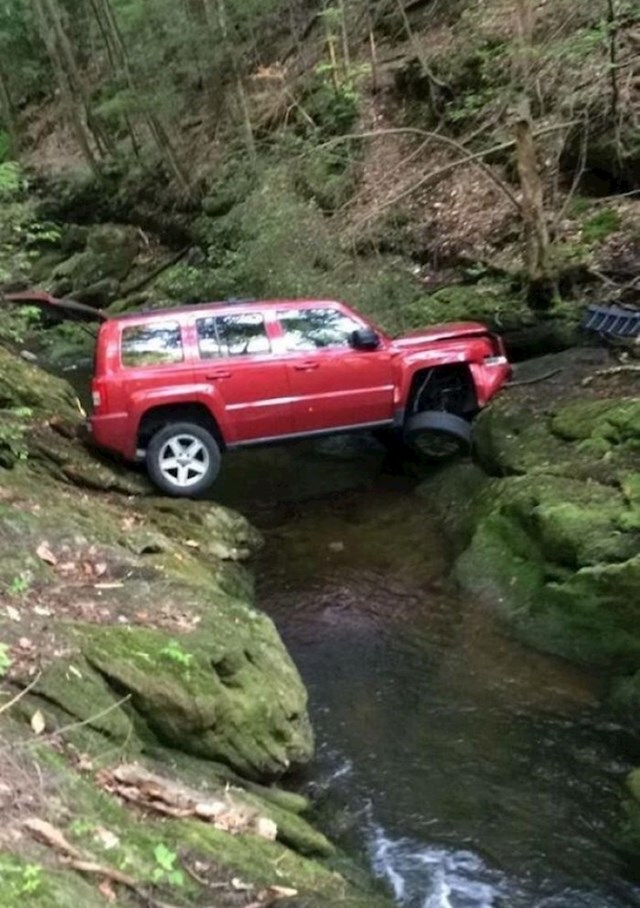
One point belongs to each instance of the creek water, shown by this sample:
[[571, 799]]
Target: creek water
[[472, 771]]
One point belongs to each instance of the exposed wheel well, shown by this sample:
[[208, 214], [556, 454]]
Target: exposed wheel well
[[449, 387], [159, 417]]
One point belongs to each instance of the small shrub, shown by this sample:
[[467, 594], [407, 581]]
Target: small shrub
[[599, 226]]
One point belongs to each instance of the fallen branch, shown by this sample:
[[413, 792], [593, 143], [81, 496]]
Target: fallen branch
[[144, 281], [614, 370], [21, 694], [81, 724], [533, 381], [468, 158], [48, 835]]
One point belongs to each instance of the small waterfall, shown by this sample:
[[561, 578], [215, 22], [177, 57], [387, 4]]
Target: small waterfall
[[431, 877]]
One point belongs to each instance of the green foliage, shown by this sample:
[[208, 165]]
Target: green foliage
[[5, 659], [19, 585], [166, 871], [4, 145], [11, 180], [326, 175], [13, 426], [175, 653], [599, 226], [20, 881]]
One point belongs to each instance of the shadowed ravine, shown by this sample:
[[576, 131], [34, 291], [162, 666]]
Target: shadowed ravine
[[476, 772]]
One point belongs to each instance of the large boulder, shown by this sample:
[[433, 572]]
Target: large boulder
[[100, 267], [552, 533]]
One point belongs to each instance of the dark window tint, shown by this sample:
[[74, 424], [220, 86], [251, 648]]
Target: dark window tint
[[232, 335], [152, 345], [313, 329]]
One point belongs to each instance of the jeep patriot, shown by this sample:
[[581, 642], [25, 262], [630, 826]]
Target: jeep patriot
[[175, 388]]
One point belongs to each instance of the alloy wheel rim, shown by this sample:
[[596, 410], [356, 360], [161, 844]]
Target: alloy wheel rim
[[184, 460]]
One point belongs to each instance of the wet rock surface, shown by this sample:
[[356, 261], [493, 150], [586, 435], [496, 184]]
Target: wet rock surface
[[128, 630]]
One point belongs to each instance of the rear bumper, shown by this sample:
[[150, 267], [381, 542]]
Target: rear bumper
[[113, 433]]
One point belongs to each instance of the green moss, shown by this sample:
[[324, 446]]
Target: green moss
[[600, 225], [29, 882], [235, 697]]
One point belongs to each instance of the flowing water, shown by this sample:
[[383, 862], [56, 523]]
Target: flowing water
[[472, 771], [476, 773]]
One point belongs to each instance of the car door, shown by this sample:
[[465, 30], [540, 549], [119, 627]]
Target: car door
[[332, 384], [235, 354]]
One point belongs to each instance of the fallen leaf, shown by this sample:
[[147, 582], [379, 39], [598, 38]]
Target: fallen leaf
[[37, 722], [13, 613], [192, 544], [106, 889], [106, 838], [45, 554], [75, 671], [41, 611], [281, 892]]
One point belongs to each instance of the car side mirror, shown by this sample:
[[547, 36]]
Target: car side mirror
[[365, 339]]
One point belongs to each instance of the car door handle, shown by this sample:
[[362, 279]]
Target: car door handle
[[306, 367], [213, 376]]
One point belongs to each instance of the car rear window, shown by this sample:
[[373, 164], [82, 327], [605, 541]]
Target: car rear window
[[152, 345], [244, 334]]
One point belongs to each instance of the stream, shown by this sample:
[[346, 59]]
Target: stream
[[473, 772]]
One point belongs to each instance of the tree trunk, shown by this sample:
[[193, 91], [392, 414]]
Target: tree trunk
[[66, 89], [69, 63], [6, 107], [241, 94], [536, 234]]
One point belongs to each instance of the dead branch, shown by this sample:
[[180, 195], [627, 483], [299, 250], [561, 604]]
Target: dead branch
[[605, 373], [75, 725], [533, 381], [21, 694], [444, 140], [435, 175], [144, 281]]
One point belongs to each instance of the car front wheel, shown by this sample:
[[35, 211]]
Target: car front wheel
[[437, 435], [183, 459]]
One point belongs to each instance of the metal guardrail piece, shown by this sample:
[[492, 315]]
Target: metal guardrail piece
[[612, 321]]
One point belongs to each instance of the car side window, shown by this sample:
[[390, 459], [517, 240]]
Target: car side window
[[243, 334], [316, 329], [152, 345]]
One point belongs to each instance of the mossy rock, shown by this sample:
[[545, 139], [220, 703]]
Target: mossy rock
[[552, 542], [233, 696], [106, 261]]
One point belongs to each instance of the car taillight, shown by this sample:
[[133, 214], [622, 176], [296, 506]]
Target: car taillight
[[96, 399]]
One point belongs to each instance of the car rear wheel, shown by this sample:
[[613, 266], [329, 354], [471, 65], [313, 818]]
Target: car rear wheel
[[436, 435], [183, 459]]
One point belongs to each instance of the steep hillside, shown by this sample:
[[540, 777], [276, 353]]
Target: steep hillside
[[422, 160]]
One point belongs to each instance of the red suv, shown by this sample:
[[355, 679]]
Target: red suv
[[177, 387]]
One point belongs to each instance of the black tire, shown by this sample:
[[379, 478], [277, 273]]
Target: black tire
[[436, 435], [188, 478]]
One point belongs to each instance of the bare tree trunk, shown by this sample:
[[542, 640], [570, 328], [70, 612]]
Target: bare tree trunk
[[537, 244], [241, 94], [69, 62], [66, 89], [6, 107], [344, 32], [373, 51], [536, 234], [111, 45], [154, 125]]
